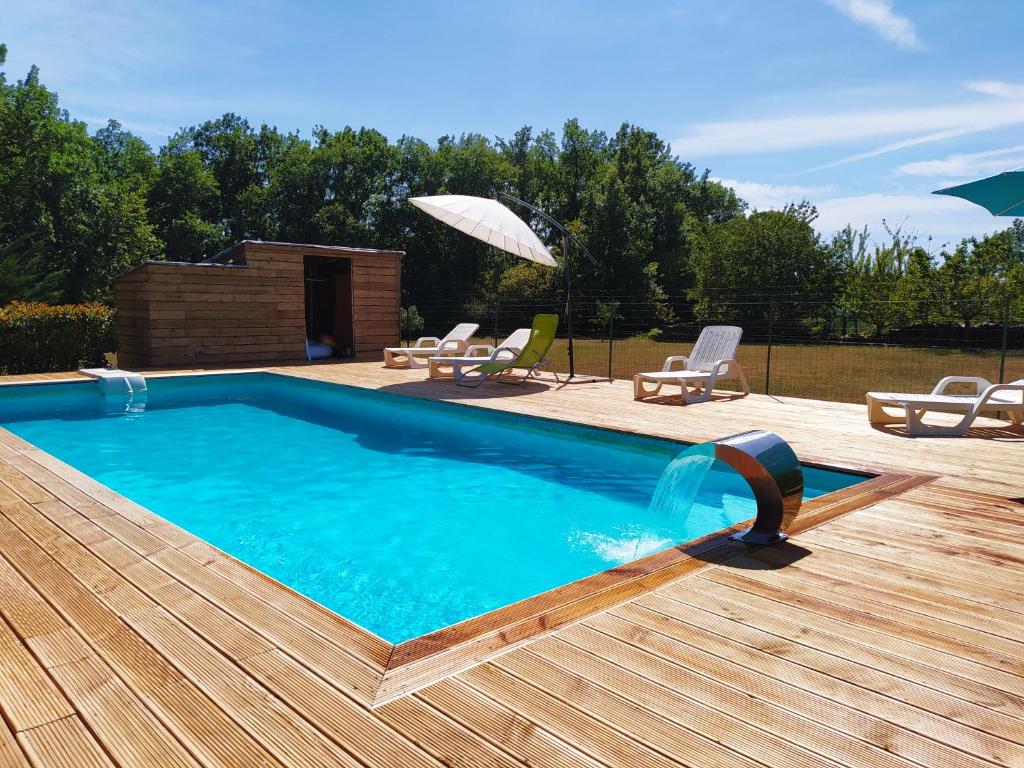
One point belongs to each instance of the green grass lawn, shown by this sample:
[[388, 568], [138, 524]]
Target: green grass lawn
[[819, 371]]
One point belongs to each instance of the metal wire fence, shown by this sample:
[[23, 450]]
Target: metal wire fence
[[788, 349]]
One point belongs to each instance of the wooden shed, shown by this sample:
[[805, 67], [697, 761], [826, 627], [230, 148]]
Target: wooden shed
[[258, 302]]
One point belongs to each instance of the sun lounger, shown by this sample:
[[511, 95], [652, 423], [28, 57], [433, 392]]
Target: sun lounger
[[713, 358], [987, 398], [508, 350], [455, 343], [532, 357]]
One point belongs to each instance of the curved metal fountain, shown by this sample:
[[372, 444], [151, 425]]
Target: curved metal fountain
[[772, 470]]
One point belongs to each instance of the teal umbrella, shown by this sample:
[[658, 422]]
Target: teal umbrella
[[1000, 195]]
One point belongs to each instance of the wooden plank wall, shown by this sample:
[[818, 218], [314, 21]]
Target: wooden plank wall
[[172, 314]]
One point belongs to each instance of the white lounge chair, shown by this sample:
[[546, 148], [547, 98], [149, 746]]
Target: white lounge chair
[[988, 397], [455, 343], [451, 367], [713, 358]]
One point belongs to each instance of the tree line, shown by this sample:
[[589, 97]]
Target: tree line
[[78, 208]]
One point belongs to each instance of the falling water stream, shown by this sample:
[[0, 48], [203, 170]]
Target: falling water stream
[[678, 487]]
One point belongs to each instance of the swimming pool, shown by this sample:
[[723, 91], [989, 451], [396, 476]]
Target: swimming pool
[[403, 515]]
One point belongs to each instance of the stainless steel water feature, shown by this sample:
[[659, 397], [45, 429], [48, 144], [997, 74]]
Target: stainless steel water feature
[[773, 471]]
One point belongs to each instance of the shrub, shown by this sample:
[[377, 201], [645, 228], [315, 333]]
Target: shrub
[[36, 338]]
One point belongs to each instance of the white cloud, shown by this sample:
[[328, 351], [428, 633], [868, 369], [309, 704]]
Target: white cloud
[[972, 164], [945, 219], [998, 88], [909, 126], [880, 16], [767, 196]]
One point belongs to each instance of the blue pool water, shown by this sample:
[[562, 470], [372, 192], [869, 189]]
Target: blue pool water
[[402, 515]]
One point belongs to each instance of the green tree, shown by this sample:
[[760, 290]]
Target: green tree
[[183, 206], [745, 264], [976, 278], [78, 199]]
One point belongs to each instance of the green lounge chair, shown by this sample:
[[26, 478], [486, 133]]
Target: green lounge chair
[[533, 356]]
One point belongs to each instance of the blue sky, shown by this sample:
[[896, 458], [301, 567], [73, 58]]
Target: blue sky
[[863, 106]]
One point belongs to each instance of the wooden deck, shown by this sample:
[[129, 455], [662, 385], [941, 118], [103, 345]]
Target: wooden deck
[[889, 636]]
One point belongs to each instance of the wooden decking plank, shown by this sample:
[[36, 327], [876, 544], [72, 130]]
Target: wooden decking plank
[[681, 645], [104, 501], [286, 735], [26, 488], [350, 725], [853, 558], [980, 519], [193, 718], [370, 648], [932, 556], [610, 658], [137, 538], [934, 670], [61, 646], [96, 575], [992, 549], [11, 755], [52, 482], [128, 731], [497, 725], [437, 733], [837, 665], [65, 743], [929, 634], [776, 601], [823, 674], [125, 728], [22, 606], [699, 731], [976, 620], [316, 651], [586, 731], [28, 697]]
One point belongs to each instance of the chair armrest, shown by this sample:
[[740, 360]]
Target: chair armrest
[[487, 350], [513, 353], [980, 383], [675, 359], [991, 389], [718, 365], [452, 345], [434, 341]]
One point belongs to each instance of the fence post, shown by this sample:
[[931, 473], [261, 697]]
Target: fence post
[[496, 324], [611, 338], [768, 362], [1006, 333]]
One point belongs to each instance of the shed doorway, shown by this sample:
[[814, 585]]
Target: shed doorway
[[329, 321]]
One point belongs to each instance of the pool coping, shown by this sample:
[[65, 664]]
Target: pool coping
[[429, 658]]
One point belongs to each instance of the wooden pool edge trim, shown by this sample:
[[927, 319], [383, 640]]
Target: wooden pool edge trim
[[437, 655]]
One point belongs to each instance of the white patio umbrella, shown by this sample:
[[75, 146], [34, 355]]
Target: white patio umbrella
[[492, 222], [487, 220]]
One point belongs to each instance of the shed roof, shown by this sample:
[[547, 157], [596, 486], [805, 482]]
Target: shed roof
[[330, 251]]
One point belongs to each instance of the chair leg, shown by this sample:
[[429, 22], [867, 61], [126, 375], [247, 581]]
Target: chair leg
[[744, 384], [917, 427], [878, 415], [640, 391], [703, 391]]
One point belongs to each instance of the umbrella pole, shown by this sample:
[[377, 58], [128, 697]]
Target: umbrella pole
[[568, 303]]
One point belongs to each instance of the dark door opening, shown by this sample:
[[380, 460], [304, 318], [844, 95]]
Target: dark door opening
[[329, 303]]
